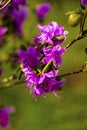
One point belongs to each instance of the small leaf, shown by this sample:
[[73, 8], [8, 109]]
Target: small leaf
[[71, 12]]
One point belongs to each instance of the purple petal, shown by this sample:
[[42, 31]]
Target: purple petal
[[5, 116], [42, 10], [3, 30], [49, 32], [47, 51], [57, 60], [52, 73]]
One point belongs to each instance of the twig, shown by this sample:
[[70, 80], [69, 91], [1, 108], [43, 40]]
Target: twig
[[74, 40], [82, 23], [8, 85], [71, 73]]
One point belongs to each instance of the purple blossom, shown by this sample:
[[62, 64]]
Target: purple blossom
[[20, 2], [30, 57], [16, 15], [47, 83], [49, 32], [5, 116], [84, 3], [31, 78], [19, 17], [53, 54], [42, 84], [42, 10]]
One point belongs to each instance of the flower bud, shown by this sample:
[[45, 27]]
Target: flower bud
[[74, 19], [58, 38]]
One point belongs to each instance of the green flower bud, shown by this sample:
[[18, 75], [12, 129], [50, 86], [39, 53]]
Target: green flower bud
[[74, 17], [59, 38]]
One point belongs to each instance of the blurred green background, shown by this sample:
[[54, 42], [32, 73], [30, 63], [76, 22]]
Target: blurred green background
[[69, 110]]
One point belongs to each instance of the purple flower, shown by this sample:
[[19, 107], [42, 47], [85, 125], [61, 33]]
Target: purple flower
[[47, 83], [31, 78], [19, 17], [42, 10], [20, 2], [84, 3], [42, 84], [16, 15], [53, 54], [5, 116], [50, 32], [30, 57]]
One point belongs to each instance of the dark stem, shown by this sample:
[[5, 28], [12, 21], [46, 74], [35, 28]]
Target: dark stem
[[71, 73], [82, 23], [74, 40], [8, 85]]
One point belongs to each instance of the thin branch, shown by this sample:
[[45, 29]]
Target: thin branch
[[73, 41], [82, 23], [71, 73], [8, 85]]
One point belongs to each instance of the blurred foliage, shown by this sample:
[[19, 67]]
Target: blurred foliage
[[69, 110]]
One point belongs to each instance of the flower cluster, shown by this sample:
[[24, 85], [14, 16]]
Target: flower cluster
[[52, 34], [40, 62], [5, 116], [14, 15]]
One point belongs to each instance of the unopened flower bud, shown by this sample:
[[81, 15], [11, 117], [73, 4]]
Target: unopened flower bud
[[74, 19], [58, 38]]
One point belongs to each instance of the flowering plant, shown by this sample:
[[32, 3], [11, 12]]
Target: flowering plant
[[36, 63]]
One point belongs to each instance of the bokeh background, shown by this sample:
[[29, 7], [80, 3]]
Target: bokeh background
[[69, 110]]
